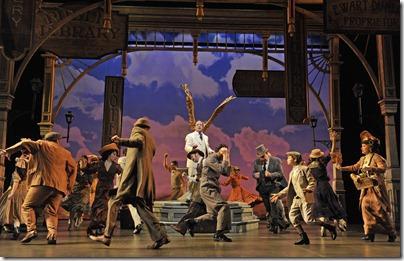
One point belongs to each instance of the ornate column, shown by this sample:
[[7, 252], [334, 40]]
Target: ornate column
[[388, 107], [46, 123], [6, 100], [335, 112]]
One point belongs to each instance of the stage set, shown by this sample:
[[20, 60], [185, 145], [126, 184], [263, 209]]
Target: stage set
[[200, 128]]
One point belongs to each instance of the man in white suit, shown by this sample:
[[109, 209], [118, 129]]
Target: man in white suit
[[195, 140]]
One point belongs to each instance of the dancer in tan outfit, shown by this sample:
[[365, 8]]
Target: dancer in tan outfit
[[53, 178], [373, 201]]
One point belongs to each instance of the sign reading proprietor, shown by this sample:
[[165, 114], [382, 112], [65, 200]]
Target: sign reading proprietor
[[362, 16]]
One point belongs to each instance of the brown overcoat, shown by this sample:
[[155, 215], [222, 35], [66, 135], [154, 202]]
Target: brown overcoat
[[137, 176], [54, 165]]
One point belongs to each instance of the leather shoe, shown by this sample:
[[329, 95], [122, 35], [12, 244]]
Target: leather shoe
[[190, 223], [157, 244], [29, 236], [221, 238], [370, 237], [138, 229], [304, 239], [178, 229], [102, 239], [52, 241], [392, 238]]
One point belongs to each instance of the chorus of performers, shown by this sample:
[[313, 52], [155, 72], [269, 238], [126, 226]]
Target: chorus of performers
[[46, 176]]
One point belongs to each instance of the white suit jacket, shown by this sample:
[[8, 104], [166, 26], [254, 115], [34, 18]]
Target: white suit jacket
[[192, 139]]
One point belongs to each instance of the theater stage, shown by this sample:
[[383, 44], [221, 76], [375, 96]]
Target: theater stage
[[256, 243]]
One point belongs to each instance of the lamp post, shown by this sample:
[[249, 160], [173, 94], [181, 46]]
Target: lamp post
[[313, 124], [69, 118], [357, 90]]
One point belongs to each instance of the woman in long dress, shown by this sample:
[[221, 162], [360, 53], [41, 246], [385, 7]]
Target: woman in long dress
[[239, 193], [106, 168], [326, 205], [373, 201], [12, 199], [77, 203]]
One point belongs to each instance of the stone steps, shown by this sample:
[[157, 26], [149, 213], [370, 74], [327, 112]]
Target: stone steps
[[242, 217]]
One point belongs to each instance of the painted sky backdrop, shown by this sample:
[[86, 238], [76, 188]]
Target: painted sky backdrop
[[152, 89]]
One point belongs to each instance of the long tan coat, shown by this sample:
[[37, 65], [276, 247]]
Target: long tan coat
[[55, 166], [137, 177], [380, 190]]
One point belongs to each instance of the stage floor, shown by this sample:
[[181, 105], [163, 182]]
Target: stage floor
[[257, 243]]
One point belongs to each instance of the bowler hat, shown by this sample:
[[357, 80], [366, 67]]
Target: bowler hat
[[142, 123], [109, 147], [52, 136], [316, 153], [195, 151], [261, 150]]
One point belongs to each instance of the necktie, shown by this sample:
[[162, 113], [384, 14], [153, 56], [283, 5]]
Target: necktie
[[200, 135]]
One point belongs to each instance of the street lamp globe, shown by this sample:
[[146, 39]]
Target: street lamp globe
[[69, 117]]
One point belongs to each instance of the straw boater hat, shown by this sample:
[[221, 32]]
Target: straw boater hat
[[109, 147], [142, 123], [52, 136], [195, 151], [261, 150], [316, 153]]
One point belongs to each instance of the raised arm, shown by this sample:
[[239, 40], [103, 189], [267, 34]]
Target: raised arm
[[32, 146], [137, 141], [165, 163], [244, 177], [222, 168]]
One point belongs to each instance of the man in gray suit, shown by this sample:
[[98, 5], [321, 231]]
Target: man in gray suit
[[214, 165], [269, 175], [300, 198]]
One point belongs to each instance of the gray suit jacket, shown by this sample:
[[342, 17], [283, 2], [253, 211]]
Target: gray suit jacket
[[212, 168], [274, 167]]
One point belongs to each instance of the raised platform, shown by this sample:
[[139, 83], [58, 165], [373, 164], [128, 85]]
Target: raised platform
[[242, 217]]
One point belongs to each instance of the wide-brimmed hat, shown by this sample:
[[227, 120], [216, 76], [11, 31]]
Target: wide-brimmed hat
[[142, 123], [109, 147], [367, 137], [261, 150], [52, 136], [195, 151], [316, 153]]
